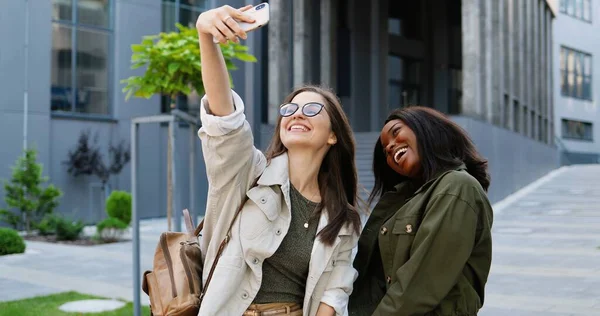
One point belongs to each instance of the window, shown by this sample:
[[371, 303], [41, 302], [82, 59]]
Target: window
[[81, 42], [575, 74], [185, 12], [404, 81], [577, 130], [579, 9]]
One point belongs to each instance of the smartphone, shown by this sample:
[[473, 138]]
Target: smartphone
[[261, 16]]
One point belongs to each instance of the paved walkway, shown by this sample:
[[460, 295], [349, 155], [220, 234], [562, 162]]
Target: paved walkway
[[546, 254]]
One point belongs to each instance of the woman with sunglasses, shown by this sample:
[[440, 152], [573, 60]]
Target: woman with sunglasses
[[290, 247]]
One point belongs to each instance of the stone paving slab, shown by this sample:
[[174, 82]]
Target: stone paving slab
[[546, 259]]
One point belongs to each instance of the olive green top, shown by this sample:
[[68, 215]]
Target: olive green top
[[426, 251], [285, 273]]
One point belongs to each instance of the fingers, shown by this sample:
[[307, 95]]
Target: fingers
[[224, 29], [233, 26], [218, 35], [240, 15], [246, 8]]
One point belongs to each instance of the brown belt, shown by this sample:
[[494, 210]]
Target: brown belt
[[280, 311]]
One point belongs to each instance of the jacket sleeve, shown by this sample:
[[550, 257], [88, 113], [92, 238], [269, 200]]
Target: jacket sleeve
[[342, 277], [441, 248], [232, 163]]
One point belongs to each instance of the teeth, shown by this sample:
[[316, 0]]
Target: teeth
[[298, 128], [399, 153]]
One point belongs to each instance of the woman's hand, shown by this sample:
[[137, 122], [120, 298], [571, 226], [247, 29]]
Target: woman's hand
[[222, 23]]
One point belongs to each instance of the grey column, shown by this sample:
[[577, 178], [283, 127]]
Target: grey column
[[509, 19], [526, 76], [497, 57], [440, 56], [471, 49], [279, 55], [328, 42], [542, 67], [486, 52], [375, 65], [536, 75], [549, 79], [519, 70], [301, 29]]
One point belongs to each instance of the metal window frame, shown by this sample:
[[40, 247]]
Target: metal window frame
[[568, 70], [109, 31]]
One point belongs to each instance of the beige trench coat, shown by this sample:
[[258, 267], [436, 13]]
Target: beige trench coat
[[232, 164]]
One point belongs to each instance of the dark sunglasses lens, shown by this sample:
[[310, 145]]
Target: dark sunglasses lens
[[288, 109], [312, 109]]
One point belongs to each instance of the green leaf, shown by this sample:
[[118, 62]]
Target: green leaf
[[245, 57], [137, 48], [173, 67]]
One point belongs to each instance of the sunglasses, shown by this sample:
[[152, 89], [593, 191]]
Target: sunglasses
[[309, 109]]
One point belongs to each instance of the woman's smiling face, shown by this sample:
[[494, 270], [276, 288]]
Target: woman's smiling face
[[401, 148]]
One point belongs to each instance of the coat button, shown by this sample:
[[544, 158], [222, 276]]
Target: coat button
[[278, 232], [244, 295], [409, 228], [255, 261], [263, 200], [388, 279], [383, 230]]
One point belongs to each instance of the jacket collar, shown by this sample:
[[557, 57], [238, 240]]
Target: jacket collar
[[276, 172], [439, 175]]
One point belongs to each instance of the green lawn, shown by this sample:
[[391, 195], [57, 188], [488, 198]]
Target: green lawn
[[48, 306]]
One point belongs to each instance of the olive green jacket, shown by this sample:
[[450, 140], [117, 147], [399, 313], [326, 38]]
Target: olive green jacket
[[426, 251]]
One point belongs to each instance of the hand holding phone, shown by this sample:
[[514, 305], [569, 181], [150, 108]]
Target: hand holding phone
[[260, 15]]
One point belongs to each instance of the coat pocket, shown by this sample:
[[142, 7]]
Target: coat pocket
[[403, 232]]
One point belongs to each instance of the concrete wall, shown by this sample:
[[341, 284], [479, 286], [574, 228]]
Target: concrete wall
[[583, 36], [514, 160], [13, 83]]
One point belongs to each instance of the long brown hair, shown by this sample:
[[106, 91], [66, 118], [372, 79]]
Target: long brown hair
[[442, 145], [338, 180]]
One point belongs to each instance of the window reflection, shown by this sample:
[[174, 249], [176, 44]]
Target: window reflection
[[80, 76], [576, 74]]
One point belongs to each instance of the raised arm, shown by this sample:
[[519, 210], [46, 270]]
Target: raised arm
[[221, 24]]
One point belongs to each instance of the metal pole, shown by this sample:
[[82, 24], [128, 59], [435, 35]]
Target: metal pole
[[137, 311], [176, 216], [26, 81], [192, 173]]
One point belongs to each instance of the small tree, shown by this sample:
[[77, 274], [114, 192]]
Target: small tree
[[24, 193], [173, 64], [87, 159], [174, 68]]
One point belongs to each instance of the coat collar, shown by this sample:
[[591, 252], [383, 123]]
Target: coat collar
[[437, 176], [276, 172]]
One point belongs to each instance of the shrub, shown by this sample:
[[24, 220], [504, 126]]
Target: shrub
[[47, 226], [111, 229], [25, 194], [10, 242], [68, 230], [118, 205]]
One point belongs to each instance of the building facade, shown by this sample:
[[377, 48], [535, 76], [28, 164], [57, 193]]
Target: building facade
[[577, 115], [486, 63]]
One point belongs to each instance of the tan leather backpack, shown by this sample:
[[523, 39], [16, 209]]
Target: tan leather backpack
[[174, 285]]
